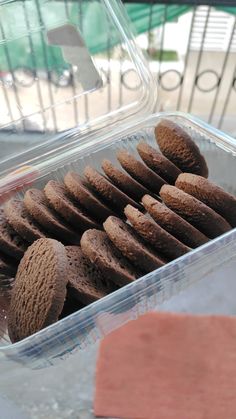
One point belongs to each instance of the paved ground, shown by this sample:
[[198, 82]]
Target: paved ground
[[66, 390], [68, 113]]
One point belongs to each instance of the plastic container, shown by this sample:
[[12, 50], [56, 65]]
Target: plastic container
[[89, 144]]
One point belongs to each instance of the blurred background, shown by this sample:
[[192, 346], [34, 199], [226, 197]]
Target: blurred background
[[191, 50]]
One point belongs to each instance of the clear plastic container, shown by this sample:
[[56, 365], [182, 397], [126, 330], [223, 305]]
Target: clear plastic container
[[89, 143], [85, 327]]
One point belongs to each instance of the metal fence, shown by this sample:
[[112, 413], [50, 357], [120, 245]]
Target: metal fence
[[192, 58], [205, 83]]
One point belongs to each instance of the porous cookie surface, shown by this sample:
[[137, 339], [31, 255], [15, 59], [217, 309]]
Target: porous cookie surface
[[173, 223], [99, 249], [158, 163], [194, 211], [39, 291], [155, 235], [177, 145], [123, 181], [210, 194], [10, 242], [131, 245], [87, 198], [8, 266], [116, 198], [21, 221], [37, 205], [85, 280], [58, 198], [140, 172]]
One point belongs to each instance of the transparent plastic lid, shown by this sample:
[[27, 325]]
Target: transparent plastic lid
[[67, 65]]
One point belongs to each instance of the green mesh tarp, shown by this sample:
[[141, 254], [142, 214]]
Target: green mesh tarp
[[95, 20], [21, 23]]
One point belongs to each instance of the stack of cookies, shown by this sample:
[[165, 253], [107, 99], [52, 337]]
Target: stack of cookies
[[94, 233]]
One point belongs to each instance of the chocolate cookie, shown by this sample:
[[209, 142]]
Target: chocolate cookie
[[86, 283], [6, 285], [194, 211], [131, 246], [177, 145], [21, 221], [97, 247], [140, 172], [37, 205], [71, 305], [39, 291], [123, 181], [155, 235], [210, 194], [109, 192], [87, 198], [158, 163], [10, 242], [8, 266], [59, 200], [173, 223]]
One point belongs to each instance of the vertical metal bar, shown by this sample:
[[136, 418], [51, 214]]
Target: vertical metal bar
[[222, 71], [199, 58], [109, 69], [40, 17], [227, 100], [33, 59], [7, 101], [73, 86], [150, 33], [120, 78], [164, 19], [150, 25], [86, 104], [17, 99], [186, 59]]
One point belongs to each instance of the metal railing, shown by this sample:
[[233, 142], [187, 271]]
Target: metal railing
[[197, 76]]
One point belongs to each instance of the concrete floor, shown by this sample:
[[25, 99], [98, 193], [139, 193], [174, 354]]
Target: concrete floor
[[65, 391], [69, 109]]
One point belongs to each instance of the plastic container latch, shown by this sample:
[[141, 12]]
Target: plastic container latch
[[76, 53]]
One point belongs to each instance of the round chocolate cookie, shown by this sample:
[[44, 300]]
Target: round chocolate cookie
[[210, 194], [97, 247], [140, 172], [131, 246], [8, 266], [177, 145], [39, 291], [158, 163], [58, 198], [10, 242], [86, 198], [6, 285], [155, 235], [21, 221], [86, 283], [123, 181], [173, 223], [37, 205], [194, 211], [109, 192]]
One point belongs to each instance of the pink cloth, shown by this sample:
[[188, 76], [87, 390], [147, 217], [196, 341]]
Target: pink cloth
[[168, 366]]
